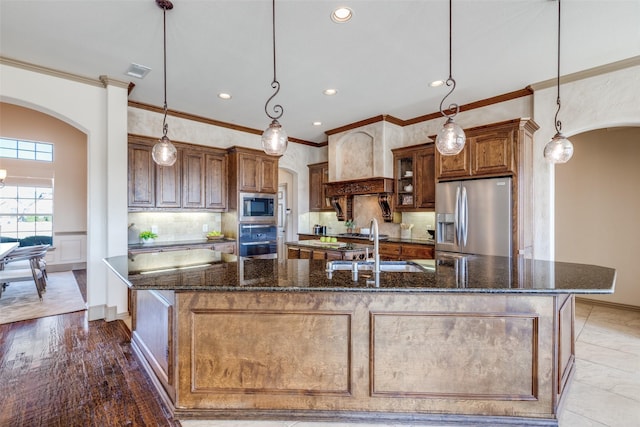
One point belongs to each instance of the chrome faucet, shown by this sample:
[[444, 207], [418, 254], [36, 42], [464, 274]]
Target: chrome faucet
[[374, 235]]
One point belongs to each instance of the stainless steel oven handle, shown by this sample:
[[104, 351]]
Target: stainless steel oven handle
[[262, 242]]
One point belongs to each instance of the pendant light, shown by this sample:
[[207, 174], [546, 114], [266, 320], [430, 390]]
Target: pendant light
[[274, 138], [451, 138], [559, 149], [164, 153]]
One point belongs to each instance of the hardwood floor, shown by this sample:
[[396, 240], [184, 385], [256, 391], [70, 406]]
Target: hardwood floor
[[65, 371]]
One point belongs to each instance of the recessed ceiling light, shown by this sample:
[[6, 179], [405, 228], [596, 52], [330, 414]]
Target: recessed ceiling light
[[341, 15], [330, 92], [138, 71], [436, 83], [317, 123], [223, 95]]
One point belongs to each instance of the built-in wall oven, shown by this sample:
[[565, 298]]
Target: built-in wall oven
[[258, 240]]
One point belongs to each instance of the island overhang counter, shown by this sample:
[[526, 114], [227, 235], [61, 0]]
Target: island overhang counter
[[474, 339]]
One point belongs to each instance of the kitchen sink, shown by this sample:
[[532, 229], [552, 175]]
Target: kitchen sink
[[388, 266]]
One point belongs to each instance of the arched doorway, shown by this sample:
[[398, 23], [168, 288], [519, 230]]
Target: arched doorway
[[597, 205], [67, 173]]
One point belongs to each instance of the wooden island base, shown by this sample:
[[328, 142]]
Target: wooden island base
[[492, 359]]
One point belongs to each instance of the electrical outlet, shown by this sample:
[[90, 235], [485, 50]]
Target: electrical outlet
[[205, 228], [154, 229]]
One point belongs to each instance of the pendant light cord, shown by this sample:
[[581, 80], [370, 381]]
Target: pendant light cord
[[275, 84], [165, 126], [450, 81], [558, 123]]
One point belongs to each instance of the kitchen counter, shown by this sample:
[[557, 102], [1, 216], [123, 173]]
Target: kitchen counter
[[178, 243], [474, 340], [468, 274], [342, 237]]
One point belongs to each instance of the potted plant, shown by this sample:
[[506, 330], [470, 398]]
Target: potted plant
[[147, 237], [349, 224]]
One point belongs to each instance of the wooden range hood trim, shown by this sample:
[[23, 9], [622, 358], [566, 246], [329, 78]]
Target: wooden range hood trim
[[358, 187], [342, 192]]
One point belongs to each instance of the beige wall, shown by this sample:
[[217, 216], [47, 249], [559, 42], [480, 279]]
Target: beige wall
[[69, 169], [597, 207]]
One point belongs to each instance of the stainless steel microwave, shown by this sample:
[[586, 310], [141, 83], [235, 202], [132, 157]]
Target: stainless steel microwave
[[257, 207]]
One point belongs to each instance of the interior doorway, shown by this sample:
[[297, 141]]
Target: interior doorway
[[596, 207]]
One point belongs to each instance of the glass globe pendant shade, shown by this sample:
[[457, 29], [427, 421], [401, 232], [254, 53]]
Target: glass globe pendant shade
[[164, 152], [559, 149], [274, 139], [451, 138]]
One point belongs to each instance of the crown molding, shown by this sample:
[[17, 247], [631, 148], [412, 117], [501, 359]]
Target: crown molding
[[634, 61], [50, 71], [205, 120]]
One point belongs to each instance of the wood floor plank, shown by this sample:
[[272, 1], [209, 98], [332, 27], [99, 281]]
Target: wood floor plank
[[65, 371]]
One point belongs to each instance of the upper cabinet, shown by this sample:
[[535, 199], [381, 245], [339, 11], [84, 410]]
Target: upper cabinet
[[198, 179], [215, 185], [414, 174], [141, 175], [491, 150], [251, 171], [318, 176]]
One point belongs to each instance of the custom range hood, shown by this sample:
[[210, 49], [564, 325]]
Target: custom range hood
[[341, 194]]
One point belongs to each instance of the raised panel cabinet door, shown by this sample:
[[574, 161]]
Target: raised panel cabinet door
[[192, 179], [318, 176], [248, 173], [269, 175], [425, 184], [215, 181], [315, 188], [169, 184], [493, 153], [457, 166], [141, 171]]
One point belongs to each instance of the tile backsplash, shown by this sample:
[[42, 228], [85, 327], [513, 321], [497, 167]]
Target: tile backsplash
[[176, 226]]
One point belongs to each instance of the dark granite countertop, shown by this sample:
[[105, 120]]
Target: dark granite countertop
[[340, 247], [176, 243], [206, 270], [426, 242]]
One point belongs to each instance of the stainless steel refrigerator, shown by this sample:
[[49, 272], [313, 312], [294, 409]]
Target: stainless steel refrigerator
[[474, 217]]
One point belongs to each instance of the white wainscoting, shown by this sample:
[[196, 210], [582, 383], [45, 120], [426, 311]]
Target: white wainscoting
[[69, 251]]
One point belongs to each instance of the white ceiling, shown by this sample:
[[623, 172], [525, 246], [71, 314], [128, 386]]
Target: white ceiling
[[381, 62]]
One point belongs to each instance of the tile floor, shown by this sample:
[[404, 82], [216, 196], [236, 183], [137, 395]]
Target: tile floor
[[605, 389]]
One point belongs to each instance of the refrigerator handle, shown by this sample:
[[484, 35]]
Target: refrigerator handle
[[456, 217], [465, 215]]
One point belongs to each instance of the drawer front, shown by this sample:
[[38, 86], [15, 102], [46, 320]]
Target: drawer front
[[390, 249], [417, 252]]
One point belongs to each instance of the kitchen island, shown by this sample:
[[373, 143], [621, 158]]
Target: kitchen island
[[475, 339]]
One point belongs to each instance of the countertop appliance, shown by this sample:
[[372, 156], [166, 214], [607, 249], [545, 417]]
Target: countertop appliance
[[474, 217], [257, 207]]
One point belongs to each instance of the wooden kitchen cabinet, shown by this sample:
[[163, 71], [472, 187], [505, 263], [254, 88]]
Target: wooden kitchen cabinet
[[215, 177], [250, 171], [414, 173], [141, 176], [198, 179], [193, 179], [490, 150], [318, 176], [169, 183]]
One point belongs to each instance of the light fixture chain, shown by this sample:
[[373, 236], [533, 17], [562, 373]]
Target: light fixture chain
[[165, 126], [558, 123], [450, 81], [275, 84]]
